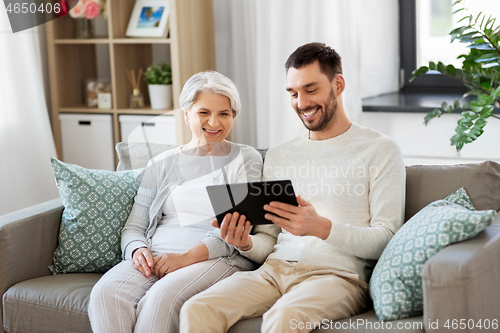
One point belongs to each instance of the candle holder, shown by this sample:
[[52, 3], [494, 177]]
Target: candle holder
[[136, 98]]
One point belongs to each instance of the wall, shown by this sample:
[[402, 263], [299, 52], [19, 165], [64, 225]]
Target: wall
[[430, 144]]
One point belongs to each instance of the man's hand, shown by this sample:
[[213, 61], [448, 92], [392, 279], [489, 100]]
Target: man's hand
[[235, 230], [142, 260], [299, 221]]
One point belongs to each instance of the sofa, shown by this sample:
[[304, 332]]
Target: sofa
[[459, 283]]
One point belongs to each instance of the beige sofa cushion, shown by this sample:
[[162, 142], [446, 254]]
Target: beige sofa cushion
[[135, 155], [428, 183], [364, 323], [55, 303]]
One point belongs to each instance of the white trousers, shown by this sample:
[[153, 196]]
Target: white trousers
[[124, 300], [291, 296]]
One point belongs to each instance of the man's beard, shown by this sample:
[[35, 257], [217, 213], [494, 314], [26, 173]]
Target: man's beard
[[325, 117]]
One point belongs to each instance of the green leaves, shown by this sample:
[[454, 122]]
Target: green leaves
[[487, 111], [467, 131], [431, 115], [472, 120], [457, 32], [484, 99], [418, 72], [480, 73], [476, 106], [158, 74], [487, 57]]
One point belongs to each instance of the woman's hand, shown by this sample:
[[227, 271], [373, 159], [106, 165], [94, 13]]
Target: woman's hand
[[235, 230], [168, 262], [143, 261]]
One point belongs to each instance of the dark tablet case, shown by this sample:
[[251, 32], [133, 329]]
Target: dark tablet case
[[249, 198]]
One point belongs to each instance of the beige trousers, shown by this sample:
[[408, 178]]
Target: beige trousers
[[124, 300], [291, 296]]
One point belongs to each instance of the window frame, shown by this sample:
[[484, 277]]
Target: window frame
[[430, 82]]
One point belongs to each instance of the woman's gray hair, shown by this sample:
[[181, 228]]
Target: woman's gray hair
[[209, 81]]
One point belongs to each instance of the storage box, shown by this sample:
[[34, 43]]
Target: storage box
[[87, 140], [152, 129]]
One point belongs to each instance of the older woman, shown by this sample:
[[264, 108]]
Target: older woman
[[171, 250]]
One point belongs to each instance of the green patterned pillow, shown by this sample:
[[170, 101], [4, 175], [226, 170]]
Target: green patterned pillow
[[396, 282], [96, 205]]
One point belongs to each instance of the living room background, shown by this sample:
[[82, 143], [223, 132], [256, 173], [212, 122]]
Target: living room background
[[252, 41]]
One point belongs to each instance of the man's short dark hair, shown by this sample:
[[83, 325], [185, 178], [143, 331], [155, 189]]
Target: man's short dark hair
[[329, 60]]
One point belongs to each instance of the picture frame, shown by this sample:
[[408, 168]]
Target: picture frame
[[149, 18], [104, 100]]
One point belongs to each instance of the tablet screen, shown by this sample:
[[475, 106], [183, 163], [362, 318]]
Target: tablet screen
[[249, 198]]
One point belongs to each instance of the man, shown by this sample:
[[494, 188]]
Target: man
[[351, 186]]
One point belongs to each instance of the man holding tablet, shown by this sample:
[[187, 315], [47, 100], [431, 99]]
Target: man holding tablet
[[350, 182]]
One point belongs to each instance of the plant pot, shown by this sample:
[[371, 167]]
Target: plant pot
[[160, 96]]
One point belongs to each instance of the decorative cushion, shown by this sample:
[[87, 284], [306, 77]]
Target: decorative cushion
[[96, 205], [396, 283]]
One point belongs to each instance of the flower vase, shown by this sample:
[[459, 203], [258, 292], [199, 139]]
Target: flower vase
[[84, 28]]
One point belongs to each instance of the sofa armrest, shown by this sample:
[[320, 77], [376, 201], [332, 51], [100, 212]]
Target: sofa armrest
[[28, 238], [461, 281]]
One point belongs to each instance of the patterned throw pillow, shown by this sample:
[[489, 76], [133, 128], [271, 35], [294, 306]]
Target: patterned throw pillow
[[396, 282], [96, 205]]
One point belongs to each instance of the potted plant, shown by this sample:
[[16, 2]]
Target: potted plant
[[480, 73], [159, 80]]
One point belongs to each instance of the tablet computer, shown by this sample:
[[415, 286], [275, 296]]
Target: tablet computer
[[249, 198]]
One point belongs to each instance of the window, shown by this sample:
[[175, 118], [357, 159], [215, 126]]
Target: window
[[431, 33], [424, 37], [434, 23]]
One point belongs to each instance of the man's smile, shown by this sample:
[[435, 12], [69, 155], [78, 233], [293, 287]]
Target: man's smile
[[310, 114]]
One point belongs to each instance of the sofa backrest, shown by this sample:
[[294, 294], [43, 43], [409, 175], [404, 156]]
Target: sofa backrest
[[427, 183], [424, 183], [135, 155]]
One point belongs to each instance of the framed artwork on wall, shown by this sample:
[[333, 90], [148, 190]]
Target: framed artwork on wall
[[149, 18]]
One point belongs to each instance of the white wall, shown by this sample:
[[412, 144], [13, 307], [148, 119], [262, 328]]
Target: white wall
[[430, 144]]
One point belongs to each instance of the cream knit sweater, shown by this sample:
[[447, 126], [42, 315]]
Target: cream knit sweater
[[357, 181]]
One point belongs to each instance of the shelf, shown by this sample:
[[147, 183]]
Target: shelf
[[144, 111], [141, 41], [70, 41], [188, 49], [84, 109], [113, 41]]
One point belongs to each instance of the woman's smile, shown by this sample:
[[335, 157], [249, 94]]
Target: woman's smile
[[210, 118]]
